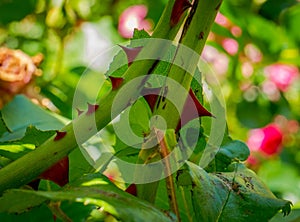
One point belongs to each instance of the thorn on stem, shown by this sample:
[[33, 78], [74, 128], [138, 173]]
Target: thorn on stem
[[178, 9], [131, 53], [188, 113], [132, 189], [91, 108], [116, 82], [59, 135], [151, 95], [79, 112]]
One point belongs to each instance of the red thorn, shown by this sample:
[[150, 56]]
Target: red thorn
[[91, 108], [151, 95], [131, 53], [187, 112], [79, 112], [58, 173], [59, 135], [178, 9], [132, 189], [201, 110], [116, 82]]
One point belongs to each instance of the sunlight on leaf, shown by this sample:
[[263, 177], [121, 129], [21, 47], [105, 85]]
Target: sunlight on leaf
[[236, 196]]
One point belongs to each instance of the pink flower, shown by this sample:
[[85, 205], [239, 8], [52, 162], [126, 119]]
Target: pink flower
[[267, 140], [133, 17], [282, 75], [230, 45], [222, 20]]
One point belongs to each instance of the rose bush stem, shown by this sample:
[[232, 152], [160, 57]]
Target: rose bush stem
[[192, 40], [195, 33], [31, 165]]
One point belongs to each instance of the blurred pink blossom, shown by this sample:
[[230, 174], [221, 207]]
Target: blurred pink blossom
[[293, 126], [236, 31], [247, 69], [222, 20], [288, 126], [271, 90], [252, 160], [267, 140], [230, 45], [131, 18], [209, 53], [219, 61], [282, 75], [253, 53]]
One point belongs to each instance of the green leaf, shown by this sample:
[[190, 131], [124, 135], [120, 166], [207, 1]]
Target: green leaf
[[3, 127], [36, 136], [15, 151], [91, 189], [17, 148], [140, 34], [19, 201], [36, 214], [21, 113], [140, 122], [233, 151], [76, 211], [78, 165], [235, 196]]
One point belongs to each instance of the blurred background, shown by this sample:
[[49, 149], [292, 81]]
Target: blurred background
[[253, 48]]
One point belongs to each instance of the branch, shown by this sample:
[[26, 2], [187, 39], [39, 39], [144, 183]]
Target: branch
[[193, 38], [31, 165]]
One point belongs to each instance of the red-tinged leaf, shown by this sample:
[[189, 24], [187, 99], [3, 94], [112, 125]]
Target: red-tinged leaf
[[116, 82], [91, 108], [79, 112], [131, 53], [188, 110], [178, 9], [58, 173], [151, 95], [132, 189], [59, 135]]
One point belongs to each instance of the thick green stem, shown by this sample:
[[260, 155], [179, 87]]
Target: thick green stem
[[192, 40], [195, 33], [31, 165]]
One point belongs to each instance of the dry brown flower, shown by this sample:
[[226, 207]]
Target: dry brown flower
[[17, 71]]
